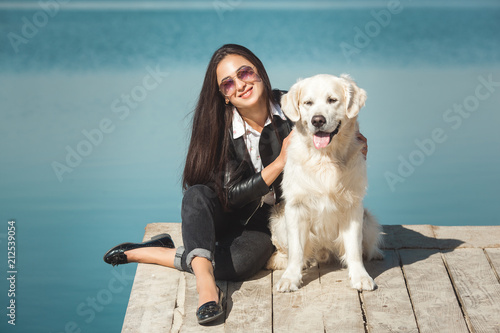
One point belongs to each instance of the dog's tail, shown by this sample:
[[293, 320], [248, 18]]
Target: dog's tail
[[279, 260], [372, 237]]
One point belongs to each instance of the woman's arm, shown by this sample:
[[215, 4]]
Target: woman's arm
[[247, 190], [273, 170], [256, 186]]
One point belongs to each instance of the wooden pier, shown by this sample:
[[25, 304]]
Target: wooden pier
[[432, 279]]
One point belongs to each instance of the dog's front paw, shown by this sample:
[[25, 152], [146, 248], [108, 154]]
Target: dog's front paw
[[363, 282], [289, 282]]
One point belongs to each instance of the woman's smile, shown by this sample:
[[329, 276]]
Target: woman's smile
[[247, 93]]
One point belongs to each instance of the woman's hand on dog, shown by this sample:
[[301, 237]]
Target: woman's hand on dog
[[283, 154], [273, 170]]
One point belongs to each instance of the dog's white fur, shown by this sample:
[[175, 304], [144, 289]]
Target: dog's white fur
[[323, 213]]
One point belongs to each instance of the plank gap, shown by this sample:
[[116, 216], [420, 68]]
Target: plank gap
[[407, 289], [433, 229], [179, 310], [319, 280], [272, 303], [457, 295], [363, 310], [491, 264], [173, 316]]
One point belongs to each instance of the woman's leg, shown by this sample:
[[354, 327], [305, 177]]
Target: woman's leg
[[245, 252], [205, 280], [241, 253], [152, 255], [244, 257], [237, 258], [202, 218], [201, 213]]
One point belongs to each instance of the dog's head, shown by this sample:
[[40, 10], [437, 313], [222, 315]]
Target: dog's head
[[321, 104]]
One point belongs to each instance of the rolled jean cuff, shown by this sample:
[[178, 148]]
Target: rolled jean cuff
[[178, 258], [199, 252]]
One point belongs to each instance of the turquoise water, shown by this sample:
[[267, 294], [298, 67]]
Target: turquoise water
[[64, 88]]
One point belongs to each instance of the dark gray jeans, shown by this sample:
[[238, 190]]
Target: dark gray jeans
[[237, 252]]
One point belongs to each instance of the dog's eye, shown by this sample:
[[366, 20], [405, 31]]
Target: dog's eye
[[332, 100], [308, 103]]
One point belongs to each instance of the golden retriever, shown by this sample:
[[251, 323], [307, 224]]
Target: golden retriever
[[324, 183]]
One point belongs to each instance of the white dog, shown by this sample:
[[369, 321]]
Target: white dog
[[324, 183]]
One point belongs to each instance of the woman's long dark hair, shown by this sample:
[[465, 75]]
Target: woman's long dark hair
[[207, 156]]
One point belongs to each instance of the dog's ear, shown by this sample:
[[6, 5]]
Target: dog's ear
[[290, 102], [355, 97]]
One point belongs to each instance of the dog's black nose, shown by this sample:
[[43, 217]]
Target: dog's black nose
[[318, 121]]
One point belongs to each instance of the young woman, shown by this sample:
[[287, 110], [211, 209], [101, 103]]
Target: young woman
[[231, 179]]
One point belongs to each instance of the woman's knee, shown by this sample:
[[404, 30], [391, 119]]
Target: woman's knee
[[198, 200], [198, 193]]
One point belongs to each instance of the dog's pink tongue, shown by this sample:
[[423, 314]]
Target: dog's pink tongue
[[321, 140]]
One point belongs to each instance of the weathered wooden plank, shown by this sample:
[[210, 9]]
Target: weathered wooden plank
[[190, 322], [494, 255], [249, 305], [432, 295], [477, 288], [298, 311], [408, 237], [340, 303], [153, 296], [388, 309], [164, 299], [468, 237]]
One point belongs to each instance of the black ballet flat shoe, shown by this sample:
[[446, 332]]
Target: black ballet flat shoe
[[210, 311], [116, 255]]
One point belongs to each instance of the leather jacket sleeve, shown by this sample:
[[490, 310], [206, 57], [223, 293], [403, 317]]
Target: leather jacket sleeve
[[247, 191]]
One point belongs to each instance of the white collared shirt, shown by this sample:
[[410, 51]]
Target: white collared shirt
[[252, 138]]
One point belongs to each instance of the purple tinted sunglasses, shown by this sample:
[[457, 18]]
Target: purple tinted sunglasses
[[245, 73]]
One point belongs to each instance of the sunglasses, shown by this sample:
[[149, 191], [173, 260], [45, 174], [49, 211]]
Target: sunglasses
[[245, 73]]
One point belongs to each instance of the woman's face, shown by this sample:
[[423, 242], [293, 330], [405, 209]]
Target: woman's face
[[246, 93]]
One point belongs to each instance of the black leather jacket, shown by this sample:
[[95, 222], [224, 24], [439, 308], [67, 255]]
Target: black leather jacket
[[245, 194]]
